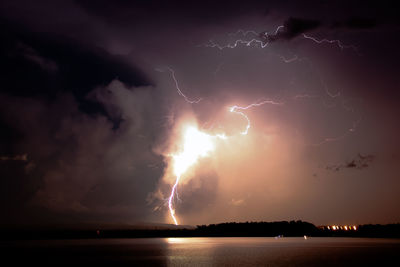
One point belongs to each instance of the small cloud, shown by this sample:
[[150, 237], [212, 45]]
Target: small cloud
[[237, 202], [23, 157], [359, 162], [334, 167], [32, 55], [351, 164]]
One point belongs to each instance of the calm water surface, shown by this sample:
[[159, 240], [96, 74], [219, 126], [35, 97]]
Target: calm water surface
[[242, 251]]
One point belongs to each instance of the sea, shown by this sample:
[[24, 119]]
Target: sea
[[214, 251]]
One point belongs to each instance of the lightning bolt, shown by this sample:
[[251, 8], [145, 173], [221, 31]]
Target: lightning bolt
[[212, 44], [305, 96], [261, 38], [264, 38], [171, 198], [289, 60], [196, 144], [178, 87], [333, 139], [337, 42], [179, 90], [243, 32], [237, 110]]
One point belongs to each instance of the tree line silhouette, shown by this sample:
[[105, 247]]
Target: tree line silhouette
[[231, 229]]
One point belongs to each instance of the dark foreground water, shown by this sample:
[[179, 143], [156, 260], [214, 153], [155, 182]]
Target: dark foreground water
[[235, 251]]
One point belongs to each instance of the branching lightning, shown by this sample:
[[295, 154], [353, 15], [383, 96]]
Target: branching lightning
[[171, 198], [243, 32], [262, 39], [332, 139], [197, 144], [335, 41], [177, 86], [237, 110], [211, 43], [179, 90]]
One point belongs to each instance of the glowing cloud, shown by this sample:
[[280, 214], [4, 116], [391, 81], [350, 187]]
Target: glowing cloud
[[196, 144]]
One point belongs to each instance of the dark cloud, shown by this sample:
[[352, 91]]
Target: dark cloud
[[50, 64], [297, 26], [78, 164], [359, 162], [294, 27], [18, 184], [64, 105], [123, 13]]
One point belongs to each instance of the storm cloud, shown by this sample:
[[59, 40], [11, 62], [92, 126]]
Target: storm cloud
[[90, 113]]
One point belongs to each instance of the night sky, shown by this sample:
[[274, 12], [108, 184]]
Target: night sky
[[90, 112]]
